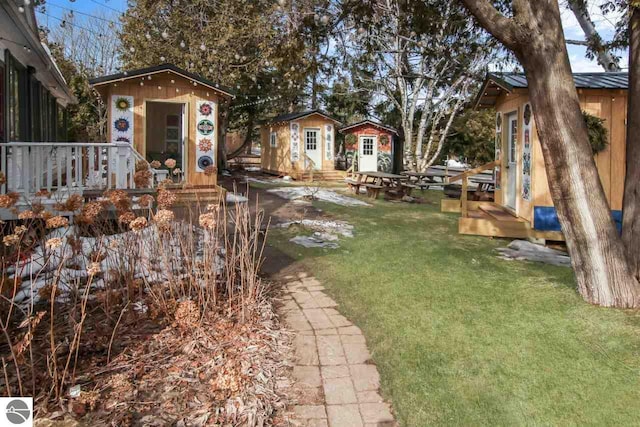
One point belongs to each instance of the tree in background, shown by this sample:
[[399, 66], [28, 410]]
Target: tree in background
[[532, 30], [84, 47], [472, 138], [597, 47], [426, 57]]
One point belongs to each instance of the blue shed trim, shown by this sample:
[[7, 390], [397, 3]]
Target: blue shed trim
[[545, 218]]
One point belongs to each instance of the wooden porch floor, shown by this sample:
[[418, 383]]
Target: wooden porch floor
[[492, 220]]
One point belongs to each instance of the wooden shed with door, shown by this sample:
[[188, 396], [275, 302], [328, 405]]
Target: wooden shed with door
[[300, 145], [166, 112], [523, 206], [370, 145]]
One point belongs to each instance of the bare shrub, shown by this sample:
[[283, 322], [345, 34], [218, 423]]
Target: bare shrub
[[65, 288]]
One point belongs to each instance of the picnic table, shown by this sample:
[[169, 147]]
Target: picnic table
[[394, 185], [425, 180]]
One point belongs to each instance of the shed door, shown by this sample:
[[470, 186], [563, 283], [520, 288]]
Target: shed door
[[512, 165], [313, 147], [368, 153]]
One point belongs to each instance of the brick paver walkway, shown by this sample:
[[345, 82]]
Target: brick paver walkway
[[336, 382]]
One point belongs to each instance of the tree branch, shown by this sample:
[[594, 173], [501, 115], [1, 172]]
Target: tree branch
[[504, 29]]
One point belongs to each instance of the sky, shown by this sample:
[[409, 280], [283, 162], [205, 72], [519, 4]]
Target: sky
[[579, 63]]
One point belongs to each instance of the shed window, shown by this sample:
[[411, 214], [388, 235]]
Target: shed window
[[272, 140], [311, 140], [367, 146]]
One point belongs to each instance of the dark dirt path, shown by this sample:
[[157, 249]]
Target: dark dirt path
[[277, 264]]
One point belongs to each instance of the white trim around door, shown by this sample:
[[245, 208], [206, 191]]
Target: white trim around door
[[313, 146], [368, 153]]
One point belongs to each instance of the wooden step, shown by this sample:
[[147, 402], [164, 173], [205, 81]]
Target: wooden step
[[499, 213]]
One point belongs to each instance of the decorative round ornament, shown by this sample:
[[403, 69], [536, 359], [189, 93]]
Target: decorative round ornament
[[206, 109], [205, 144], [122, 124], [123, 104], [205, 127], [527, 114], [204, 162]]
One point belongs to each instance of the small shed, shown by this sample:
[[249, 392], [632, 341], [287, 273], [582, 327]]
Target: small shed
[[300, 145], [522, 188], [371, 145], [166, 112]]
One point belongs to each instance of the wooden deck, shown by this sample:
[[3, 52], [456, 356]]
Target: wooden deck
[[491, 220]]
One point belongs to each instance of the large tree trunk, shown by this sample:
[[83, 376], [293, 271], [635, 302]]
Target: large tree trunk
[[631, 204], [597, 253]]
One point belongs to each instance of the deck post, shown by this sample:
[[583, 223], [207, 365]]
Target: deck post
[[464, 208], [121, 166]]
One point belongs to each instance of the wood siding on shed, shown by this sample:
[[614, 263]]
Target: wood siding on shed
[[161, 89], [609, 105], [278, 160]]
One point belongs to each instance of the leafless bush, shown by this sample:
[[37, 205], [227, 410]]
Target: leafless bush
[[65, 288]]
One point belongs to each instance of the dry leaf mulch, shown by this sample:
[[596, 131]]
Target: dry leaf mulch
[[219, 371]]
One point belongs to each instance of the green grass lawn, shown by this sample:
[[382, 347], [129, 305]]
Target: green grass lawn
[[464, 338]]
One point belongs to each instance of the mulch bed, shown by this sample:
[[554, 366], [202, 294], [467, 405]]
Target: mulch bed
[[189, 372]]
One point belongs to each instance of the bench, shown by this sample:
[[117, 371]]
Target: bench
[[353, 184], [373, 190], [408, 187]]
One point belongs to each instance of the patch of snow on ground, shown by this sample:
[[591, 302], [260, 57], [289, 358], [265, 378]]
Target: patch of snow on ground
[[334, 227], [525, 250], [140, 253], [236, 198], [293, 193], [325, 235], [313, 242]]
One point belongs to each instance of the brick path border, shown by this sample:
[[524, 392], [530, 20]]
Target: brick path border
[[336, 383]]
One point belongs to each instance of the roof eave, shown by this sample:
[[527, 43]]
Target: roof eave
[[372, 123], [104, 80], [491, 78]]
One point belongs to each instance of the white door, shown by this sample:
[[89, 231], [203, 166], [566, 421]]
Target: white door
[[313, 147], [368, 153], [512, 165]]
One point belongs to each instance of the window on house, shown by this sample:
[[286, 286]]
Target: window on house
[[273, 140], [2, 96], [15, 103]]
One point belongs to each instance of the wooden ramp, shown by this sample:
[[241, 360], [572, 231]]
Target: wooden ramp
[[492, 220], [494, 223], [334, 175], [499, 213]]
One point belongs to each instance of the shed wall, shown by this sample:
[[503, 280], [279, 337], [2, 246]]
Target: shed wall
[[609, 105], [166, 87]]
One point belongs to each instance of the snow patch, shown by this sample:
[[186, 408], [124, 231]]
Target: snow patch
[[293, 193]]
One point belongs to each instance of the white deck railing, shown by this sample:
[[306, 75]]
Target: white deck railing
[[68, 166]]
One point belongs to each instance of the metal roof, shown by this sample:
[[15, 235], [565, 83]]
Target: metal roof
[[369, 122], [157, 69], [495, 83], [287, 117], [582, 80]]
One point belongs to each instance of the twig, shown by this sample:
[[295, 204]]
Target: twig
[[113, 334]]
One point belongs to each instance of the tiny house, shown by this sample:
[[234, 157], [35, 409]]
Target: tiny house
[[522, 196], [370, 145], [165, 112], [301, 145]]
